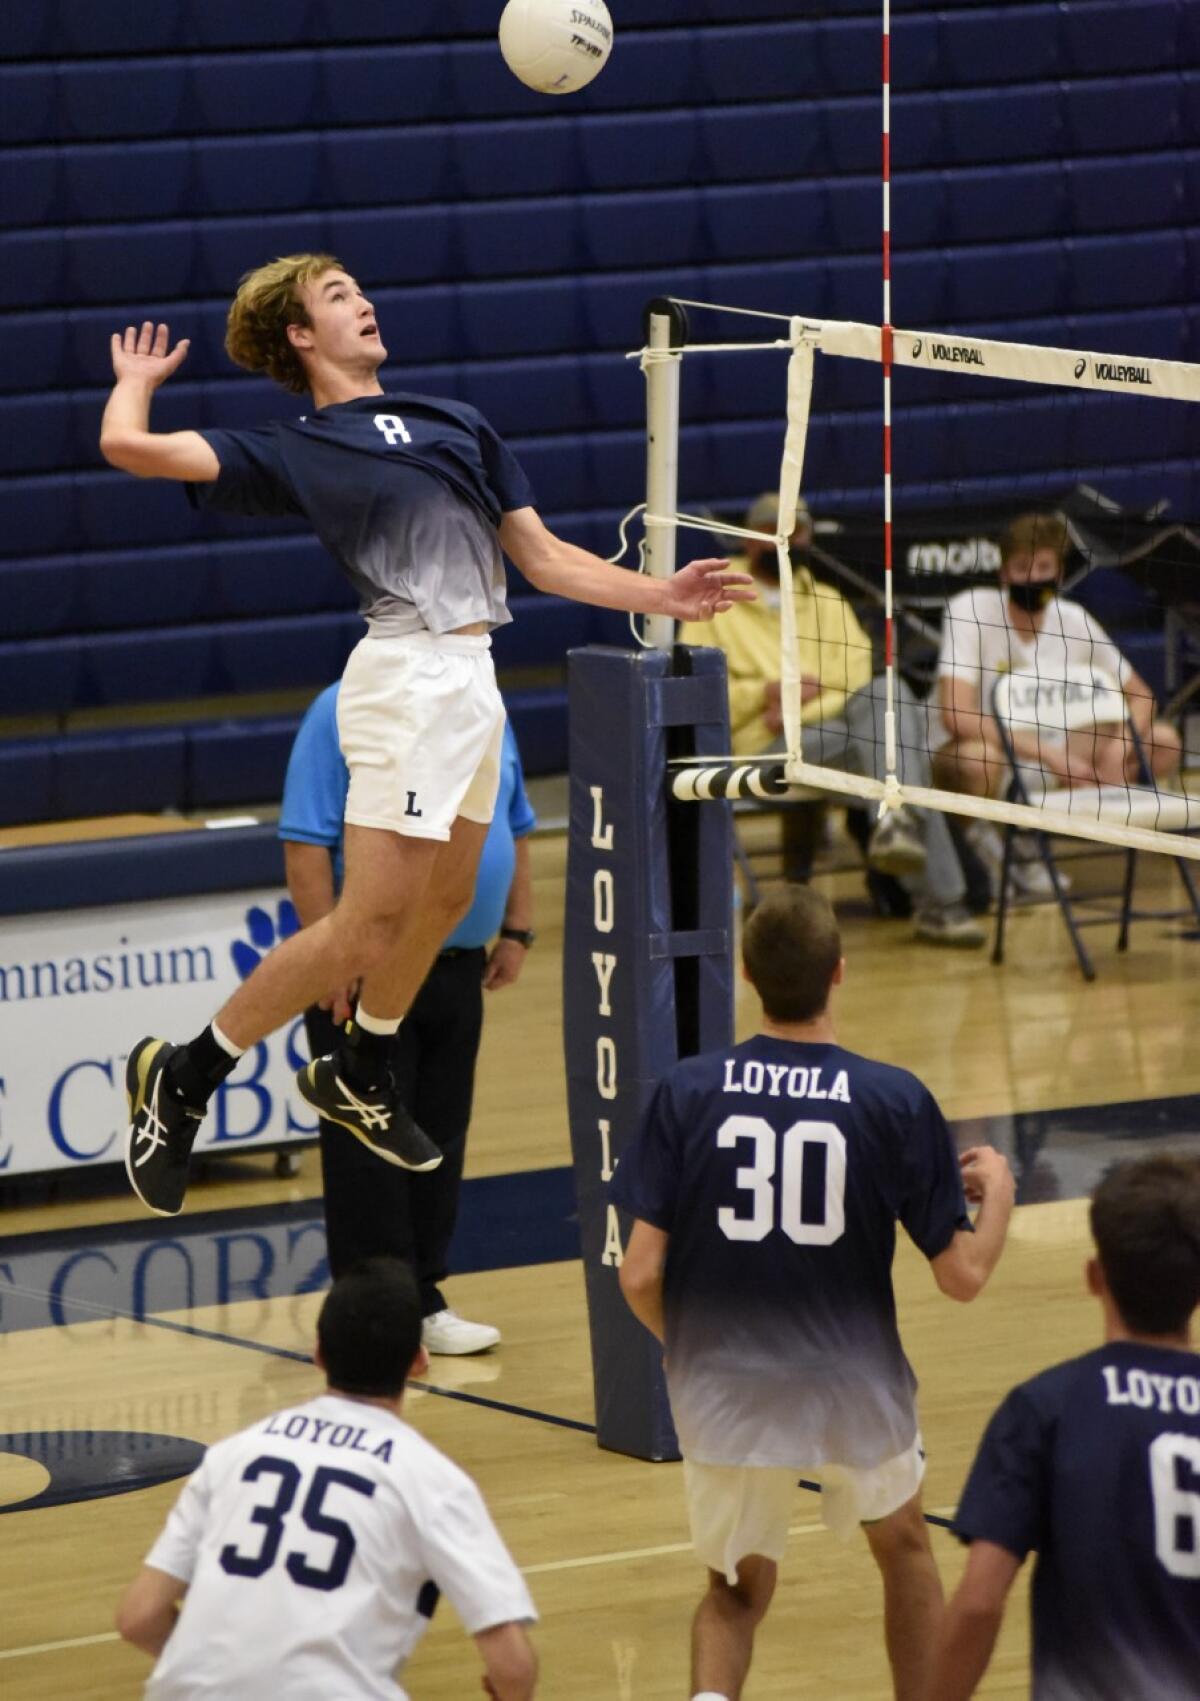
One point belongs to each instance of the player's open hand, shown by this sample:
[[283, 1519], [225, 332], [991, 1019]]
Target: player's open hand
[[984, 1170], [144, 354], [704, 588]]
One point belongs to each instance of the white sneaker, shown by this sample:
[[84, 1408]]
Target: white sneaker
[[447, 1332], [896, 846], [951, 924]]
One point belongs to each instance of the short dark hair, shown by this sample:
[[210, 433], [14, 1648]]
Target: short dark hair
[[791, 948], [369, 1329], [1145, 1221]]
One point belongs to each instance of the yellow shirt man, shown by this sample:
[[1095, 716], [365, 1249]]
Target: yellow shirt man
[[834, 654]]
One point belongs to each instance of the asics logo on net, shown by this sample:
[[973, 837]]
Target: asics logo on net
[[1116, 372]]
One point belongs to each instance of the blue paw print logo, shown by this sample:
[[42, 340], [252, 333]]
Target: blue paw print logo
[[265, 932]]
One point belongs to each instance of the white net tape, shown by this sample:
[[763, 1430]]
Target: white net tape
[[1135, 816]]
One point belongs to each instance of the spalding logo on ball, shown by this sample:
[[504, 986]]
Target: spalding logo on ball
[[555, 46]]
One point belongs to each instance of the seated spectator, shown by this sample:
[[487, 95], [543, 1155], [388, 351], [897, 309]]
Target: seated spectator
[[842, 717], [1054, 651]]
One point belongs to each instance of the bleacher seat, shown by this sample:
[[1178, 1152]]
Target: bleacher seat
[[1122, 114], [769, 139], [509, 238], [279, 576], [559, 469], [994, 279], [1121, 194], [774, 61], [119, 97], [39, 597], [38, 515], [983, 46], [26, 779], [28, 104], [986, 126], [128, 262], [657, 68], [1149, 267], [39, 676], [541, 315], [128, 589], [275, 654], [39, 435], [551, 393], [621, 230], [1099, 39], [637, 150], [140, 773], [121, 181], [35, 268], [31, 187], [513, 157], [771, 219], [266, 90], [361, 167], [234, 762], [1003, 203], [270, 174]]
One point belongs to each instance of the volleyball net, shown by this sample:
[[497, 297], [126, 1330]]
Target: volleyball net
[[1029, 691]]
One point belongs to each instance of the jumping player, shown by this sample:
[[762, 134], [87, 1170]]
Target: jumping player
[[414, 498], [766, 1182], [1096, 1465], [305, 1556]]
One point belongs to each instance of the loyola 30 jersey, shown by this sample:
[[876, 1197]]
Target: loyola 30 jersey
[[779, 1171], [1096, 1466], [315, 1545]]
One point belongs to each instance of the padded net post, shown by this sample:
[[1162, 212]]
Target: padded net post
[[666, 329]]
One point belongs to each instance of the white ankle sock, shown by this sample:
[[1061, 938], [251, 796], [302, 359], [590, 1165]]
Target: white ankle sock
[[225, 1043], [709, 1695], [377, 1024]]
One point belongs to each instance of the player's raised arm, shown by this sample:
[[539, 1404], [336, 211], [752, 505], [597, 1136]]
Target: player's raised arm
[[962, 1270], [141, 362], [696, 592]]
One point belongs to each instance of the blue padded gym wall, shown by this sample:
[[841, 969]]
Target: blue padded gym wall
[[1047, 188]]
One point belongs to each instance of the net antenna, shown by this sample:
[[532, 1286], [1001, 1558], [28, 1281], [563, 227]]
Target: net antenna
[[1133, 816]]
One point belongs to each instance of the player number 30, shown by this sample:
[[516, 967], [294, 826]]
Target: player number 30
[[808, 1196]]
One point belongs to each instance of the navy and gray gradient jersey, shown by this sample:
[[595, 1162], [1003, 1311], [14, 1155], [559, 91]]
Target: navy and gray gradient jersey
[[405, 492], [779, 1171], [1095, 1465]]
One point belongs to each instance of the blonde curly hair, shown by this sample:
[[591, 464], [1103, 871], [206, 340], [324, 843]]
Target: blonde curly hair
[[266, 303]]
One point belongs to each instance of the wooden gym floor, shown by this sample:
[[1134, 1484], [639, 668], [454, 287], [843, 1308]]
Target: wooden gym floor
[[94, 1338]]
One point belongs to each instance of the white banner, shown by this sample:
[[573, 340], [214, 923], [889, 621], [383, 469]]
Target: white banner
[[79, 988]]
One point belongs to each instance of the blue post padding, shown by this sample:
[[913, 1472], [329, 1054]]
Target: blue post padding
[[621, 956]]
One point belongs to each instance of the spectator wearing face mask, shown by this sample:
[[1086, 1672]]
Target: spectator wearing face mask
[[842, 710], [1025, 628]]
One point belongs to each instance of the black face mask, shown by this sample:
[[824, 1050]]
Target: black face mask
[[1032, 597]]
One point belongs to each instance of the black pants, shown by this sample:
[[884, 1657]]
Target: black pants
[[371, 1207]]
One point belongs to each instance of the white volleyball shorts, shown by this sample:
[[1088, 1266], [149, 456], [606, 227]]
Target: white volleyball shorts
[[421, 725], [737, 1510]]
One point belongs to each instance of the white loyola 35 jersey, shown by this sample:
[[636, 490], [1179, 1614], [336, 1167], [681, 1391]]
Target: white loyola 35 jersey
[[315, 1546]]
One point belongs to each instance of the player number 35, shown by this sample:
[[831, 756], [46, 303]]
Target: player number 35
[[807, 1198]]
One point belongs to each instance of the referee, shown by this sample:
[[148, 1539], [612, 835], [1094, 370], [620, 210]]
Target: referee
[[372, 1207]]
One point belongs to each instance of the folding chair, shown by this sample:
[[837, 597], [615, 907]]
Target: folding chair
[[1088, 697]]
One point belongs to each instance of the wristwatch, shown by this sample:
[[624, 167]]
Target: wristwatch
[[521, 935]]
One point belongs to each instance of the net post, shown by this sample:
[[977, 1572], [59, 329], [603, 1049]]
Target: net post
[[665, 325]]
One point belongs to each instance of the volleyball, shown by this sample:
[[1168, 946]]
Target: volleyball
[[555, 46]]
